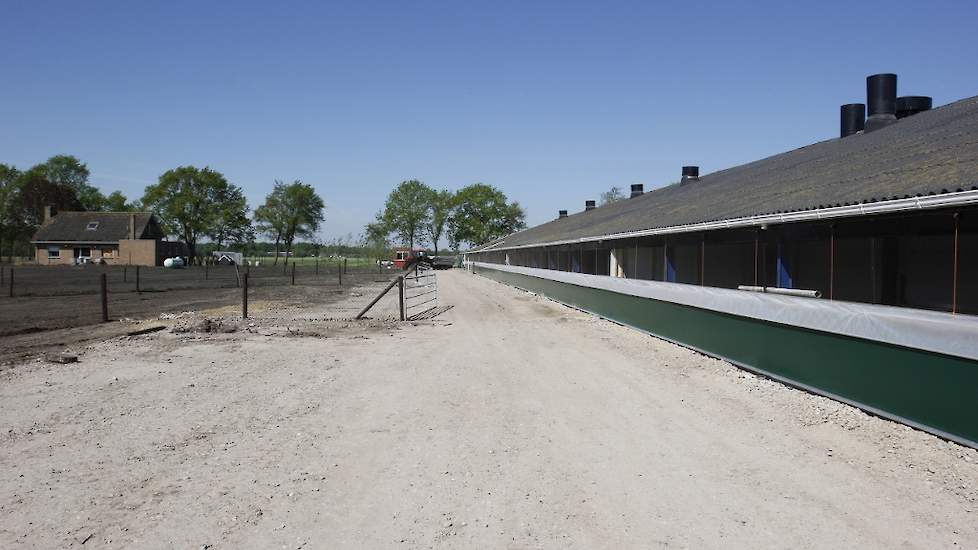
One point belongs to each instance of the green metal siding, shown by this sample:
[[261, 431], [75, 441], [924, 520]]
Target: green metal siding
[[936, 392]]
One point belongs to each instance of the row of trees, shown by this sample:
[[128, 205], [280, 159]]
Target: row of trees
[[199, 205], [476, 214], [192, 204]]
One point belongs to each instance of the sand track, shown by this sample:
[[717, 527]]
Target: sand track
[[508, 421]]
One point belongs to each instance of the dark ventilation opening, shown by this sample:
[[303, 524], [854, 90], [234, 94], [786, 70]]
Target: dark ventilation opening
[[684, 258], [589, 259], [603, 255], [553, 259], [967, 279], [647, 254], [899, 261], [802, 257], [575, 259], [626, 252], [729, 259]]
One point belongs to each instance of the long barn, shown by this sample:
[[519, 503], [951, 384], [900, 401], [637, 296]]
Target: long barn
[[848, 267]]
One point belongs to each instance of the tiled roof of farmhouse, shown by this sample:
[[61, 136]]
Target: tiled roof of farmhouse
[[76, 226]]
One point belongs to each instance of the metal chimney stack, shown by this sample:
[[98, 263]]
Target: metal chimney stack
[[853, 119], [881, 94], [637, 189], [589, 205], [913, 104], [690, 173]]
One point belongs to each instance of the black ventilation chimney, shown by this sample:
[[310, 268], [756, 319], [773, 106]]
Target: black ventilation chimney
[[853, 118], [912, 104], [690, 173], [637, 189], [589, 205], [881, 90], [561, 214]]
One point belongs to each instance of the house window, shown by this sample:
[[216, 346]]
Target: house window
[[54, 252], [92, 226]]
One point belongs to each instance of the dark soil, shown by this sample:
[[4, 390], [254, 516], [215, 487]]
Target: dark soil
[[56, 307]]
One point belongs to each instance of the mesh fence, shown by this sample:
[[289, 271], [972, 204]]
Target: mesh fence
[[47, 297]]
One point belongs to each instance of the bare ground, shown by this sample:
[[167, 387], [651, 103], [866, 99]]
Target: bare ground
[[55, 307], [506, 422]]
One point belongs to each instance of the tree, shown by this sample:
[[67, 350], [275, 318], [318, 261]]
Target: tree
[[116, 202], [441, 205], [407, 211], [231, 223], [23, 198], [186, 199], [482, 214], [612, 195], [374, 243], [68, 171], [10, 228], [290, 211], [35, 191]]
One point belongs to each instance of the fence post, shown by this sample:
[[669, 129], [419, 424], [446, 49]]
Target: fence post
[[206, 266], [244, 297], [339, 272], [105, 298], [344, 266], [293, 273], [11, 282], [317, 265], [137, 279], [400, 293]]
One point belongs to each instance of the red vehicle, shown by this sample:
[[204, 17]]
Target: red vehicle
[[406, 257]]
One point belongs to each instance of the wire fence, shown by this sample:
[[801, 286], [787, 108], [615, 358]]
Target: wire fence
[[36, 298], [39, 281]]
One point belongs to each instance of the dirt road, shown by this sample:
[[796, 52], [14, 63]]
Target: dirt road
[[507, 422]]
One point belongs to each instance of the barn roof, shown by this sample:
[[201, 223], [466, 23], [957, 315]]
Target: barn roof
[[930, 153], [74, 227]]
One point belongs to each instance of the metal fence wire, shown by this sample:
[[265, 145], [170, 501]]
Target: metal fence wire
[[420, 291]]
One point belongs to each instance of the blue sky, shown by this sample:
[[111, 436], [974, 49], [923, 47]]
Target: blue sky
[[553, 102]]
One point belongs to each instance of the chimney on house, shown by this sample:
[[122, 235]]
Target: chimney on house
[[132, 226], [853, 119], [690, 174], [912, 104], [881, 96], [637, 190], [589, 205], [561, 214], [47, 214]]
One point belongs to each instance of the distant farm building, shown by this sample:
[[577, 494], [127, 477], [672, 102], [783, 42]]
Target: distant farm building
[[117, 238], [848, 267]]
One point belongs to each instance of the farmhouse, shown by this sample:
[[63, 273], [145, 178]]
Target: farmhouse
[[848, 267], [125, 238]]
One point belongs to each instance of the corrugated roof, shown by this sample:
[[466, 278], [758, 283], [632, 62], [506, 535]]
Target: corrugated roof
[[73, 226], [929, 153]]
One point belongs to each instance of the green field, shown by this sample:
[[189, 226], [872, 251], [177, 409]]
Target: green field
[[352, 263]]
